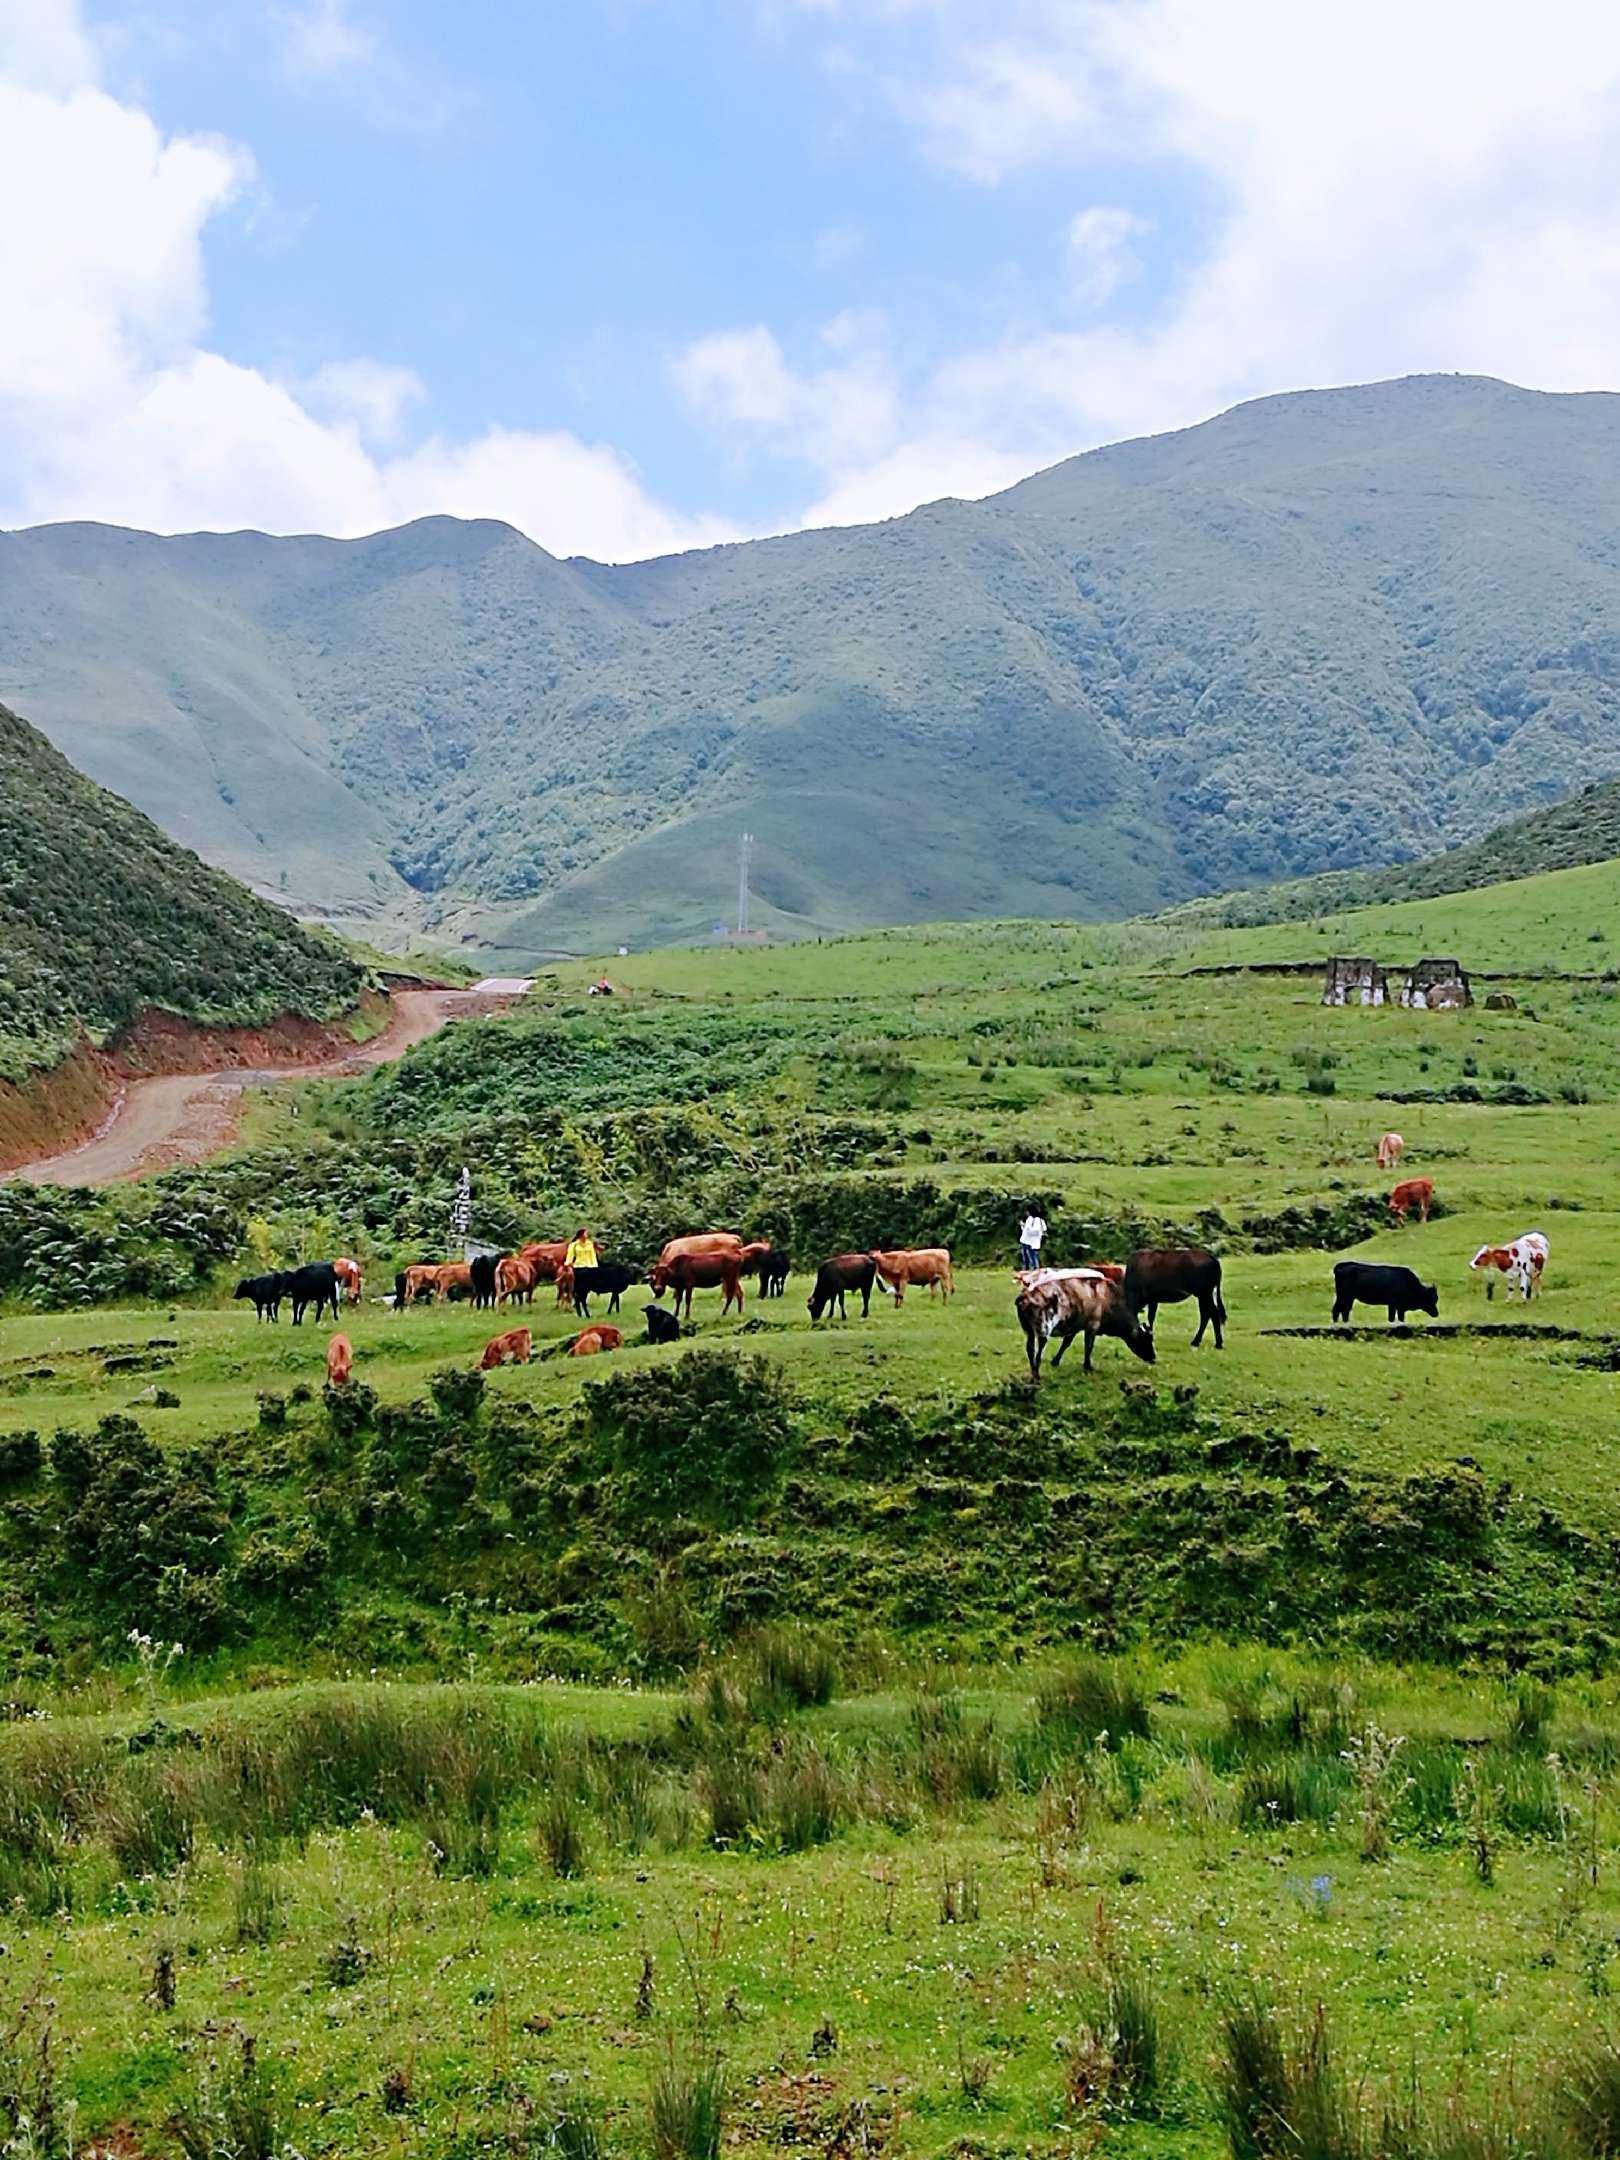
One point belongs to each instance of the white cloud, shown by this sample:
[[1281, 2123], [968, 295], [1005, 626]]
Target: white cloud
[[1100, 256], [322, 38], [836, 245], [112, 405], [839, 412], [1371, 193]]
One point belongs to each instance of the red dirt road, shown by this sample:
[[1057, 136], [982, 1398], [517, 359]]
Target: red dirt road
[[176, 1118]]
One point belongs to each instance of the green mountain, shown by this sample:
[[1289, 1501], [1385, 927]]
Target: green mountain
[[101, 915], [1321, 631], [1586, 829]]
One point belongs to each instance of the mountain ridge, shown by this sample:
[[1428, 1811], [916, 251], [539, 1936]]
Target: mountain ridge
[[1315, 632]]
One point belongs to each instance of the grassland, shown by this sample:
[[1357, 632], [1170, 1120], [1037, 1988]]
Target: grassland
[[825, 1708]]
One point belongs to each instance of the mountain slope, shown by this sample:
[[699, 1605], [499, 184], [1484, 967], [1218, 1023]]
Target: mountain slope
[[1586, 829], [1320, 631], [101, 915]]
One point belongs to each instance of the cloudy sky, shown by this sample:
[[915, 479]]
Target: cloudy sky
[[643, 274]]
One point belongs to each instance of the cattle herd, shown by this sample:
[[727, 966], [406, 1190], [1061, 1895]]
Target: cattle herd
[[1119, 1299]]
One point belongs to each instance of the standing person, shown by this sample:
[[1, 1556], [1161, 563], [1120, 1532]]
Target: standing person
[[1030, 1233], [581, 1251]]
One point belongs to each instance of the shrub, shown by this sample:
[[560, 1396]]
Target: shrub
[[1282, 2099], [701, 1436], [687, 2105], [789, 1669], [562, 1835]]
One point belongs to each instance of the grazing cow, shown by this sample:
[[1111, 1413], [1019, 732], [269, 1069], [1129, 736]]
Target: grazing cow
[[414, 1283], [930, 1265], [515, 1347], [348, 1274], [483, 1271], [1391, 1147], [661, 1326], [1158, 1276], [515, 1280], [1522, 1262], [455, 1278], [545, 1257], [699, 1271], [266, 1291], [595, 1339], [774, 1271], [1077, 1301], [1415, 1192], [1397, 1289], [609, 1279], [836, 1277], [339, 1361], [312, 1284]]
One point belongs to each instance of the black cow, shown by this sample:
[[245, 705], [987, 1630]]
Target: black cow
[[609, 1279], [1397, 1289], [661, 1326], [836, 1277], [1165, 1275], [315, 1283], [266, 1291], [774, 1271], [483, 1279]]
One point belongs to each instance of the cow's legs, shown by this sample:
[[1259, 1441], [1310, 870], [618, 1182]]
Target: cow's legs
[[866, 1301], [1204, 1318], [1090, 1342]]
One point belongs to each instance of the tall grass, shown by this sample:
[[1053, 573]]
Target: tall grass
[[686, 2108]]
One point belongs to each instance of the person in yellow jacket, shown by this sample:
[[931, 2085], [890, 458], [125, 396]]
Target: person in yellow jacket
[[582, 1250]]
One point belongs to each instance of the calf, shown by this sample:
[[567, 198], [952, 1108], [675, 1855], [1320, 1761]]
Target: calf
[[1391, 1147], [348, 1274], [515, 1279], [339, 1361], [266, 1291], [1416, 1192], [774, 1271], [931, 1265], [1165, 1275], [836, 1277], [515, 1347], [661, 1326], [1073, 1302], [313, 1284], [595, 1339], [483, 1271], [609, 1279], [1397, 1289], [1522, 1262]]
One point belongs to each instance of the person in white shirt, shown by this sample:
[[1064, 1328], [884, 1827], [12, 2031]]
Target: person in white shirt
[[1030, 1233]]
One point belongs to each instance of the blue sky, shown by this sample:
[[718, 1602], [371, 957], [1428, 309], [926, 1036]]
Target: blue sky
[[645, 273]]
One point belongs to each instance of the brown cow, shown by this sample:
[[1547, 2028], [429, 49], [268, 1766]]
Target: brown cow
[[452, 1275], [339, 1361], [565, 1286], [596, 1339], [515, 1347], [1026, 1278], [515, 1280], [1416, 1192], [413, 1282], [701, 1244], [348, 1275], [545, 1257], [1073, 1302], [1391, 1147], [931, 1265], [700, 1271], [1166, 1274]]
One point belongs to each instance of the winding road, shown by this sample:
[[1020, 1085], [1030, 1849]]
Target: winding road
[[177, 1118]]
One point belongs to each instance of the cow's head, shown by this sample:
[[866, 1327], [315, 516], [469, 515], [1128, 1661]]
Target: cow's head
[[1429, 1299], [243, 1289], [1137, 1335], [658, 1278]]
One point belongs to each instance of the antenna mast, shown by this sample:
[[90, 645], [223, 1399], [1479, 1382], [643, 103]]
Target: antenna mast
[[743, 853]]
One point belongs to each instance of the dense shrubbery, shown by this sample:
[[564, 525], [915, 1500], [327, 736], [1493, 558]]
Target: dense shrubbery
[[101, 915]]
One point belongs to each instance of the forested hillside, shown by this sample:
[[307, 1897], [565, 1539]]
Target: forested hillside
[[1585, 829], [101, 915], [1322, 631]]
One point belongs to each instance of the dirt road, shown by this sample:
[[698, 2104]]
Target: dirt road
[[178, 1118]]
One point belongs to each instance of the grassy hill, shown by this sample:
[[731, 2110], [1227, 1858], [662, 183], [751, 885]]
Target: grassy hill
[[1318, 632], [101, 914], [818, 1739], [1586, 829]]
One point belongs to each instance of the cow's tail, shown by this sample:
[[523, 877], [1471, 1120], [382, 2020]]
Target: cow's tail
[[877, 1276]]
